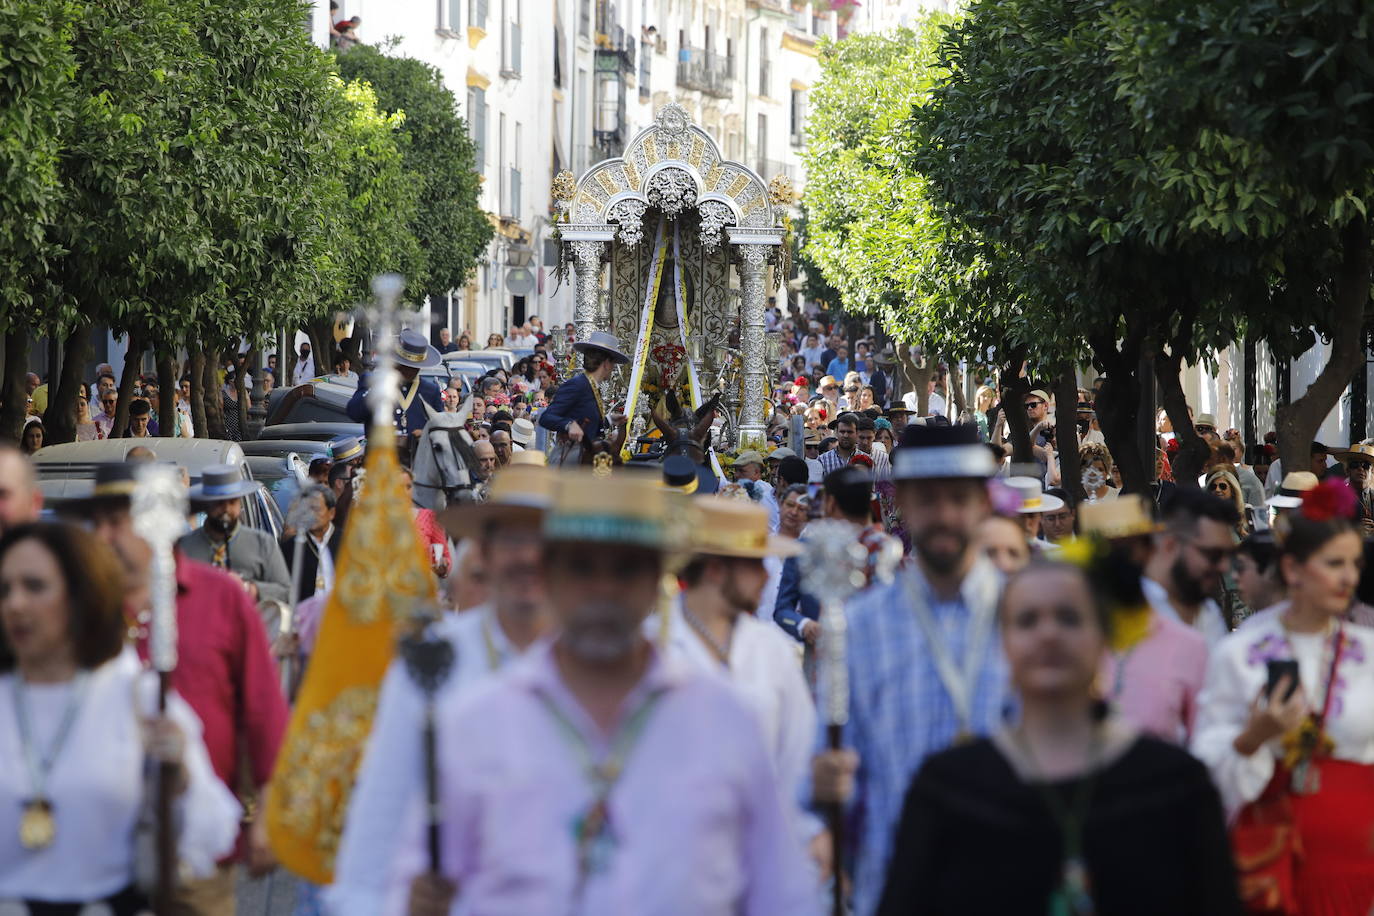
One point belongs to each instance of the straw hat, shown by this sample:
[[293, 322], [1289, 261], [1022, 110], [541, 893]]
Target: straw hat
[[626, 509], [735, 528], [522, 432], [1124, 517], [1034, 499], [1359, 451], [529, 457], [1289, 496], [520, 493]]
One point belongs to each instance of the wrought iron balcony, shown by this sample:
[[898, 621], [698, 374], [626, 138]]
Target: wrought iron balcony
[[705, 71]]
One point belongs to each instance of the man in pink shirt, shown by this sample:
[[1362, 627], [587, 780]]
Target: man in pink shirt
[[596, 775], [1154, 683]]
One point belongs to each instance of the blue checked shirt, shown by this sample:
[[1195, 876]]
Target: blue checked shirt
[[899, 711]]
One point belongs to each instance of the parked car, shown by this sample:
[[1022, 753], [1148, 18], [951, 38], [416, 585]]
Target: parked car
[[282, 476], [325, 401], [67, 471], [487, 359], [321, 431]]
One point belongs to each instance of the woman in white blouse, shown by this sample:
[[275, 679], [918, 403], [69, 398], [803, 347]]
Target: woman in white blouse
[[1296, 762], [76, 732]]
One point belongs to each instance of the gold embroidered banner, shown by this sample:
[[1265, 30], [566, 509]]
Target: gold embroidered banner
[[383, 573]]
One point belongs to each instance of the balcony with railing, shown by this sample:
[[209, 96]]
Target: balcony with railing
[[771, 168], [705, 71]]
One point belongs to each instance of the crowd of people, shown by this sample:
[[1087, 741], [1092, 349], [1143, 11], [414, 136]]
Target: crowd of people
[[1113, 703]]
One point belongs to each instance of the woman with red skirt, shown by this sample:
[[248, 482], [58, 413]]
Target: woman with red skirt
[[1294, 756]]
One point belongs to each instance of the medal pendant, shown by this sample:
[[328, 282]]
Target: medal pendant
[[964, 736], [37, 829]]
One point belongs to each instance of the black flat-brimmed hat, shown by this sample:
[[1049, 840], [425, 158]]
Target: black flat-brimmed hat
[[932, 452], [413, 351], [606, 343]]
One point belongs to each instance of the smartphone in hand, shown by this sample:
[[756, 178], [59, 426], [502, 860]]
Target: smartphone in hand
[[1277, 669]]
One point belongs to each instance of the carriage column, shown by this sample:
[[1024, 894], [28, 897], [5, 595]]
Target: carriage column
[[755, 248], [587, 243]]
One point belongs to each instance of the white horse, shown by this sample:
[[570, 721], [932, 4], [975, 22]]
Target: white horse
[[442, 458]]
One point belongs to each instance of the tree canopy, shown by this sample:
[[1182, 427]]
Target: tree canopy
[[1136, 183], [436, 148], [195, 181]]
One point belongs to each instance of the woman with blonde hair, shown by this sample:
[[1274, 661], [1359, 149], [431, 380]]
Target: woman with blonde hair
[[1096, 462], [983, 402], [1221, 482]]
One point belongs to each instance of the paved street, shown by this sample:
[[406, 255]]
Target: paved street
[[273, 895]]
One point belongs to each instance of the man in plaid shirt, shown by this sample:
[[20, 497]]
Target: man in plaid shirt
[[847, 428], [925, 665]]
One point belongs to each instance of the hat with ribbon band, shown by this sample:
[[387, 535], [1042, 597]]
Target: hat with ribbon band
[[628, 510], [413, 351], [221, 481], [520, 494], [941, 452]]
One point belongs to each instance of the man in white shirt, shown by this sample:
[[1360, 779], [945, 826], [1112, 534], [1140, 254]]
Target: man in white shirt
[[1192, 551], [812, 352], [713, 628], [484, 639], [305, 367]]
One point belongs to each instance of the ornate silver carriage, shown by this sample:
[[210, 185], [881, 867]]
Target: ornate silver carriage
[[652, 237]]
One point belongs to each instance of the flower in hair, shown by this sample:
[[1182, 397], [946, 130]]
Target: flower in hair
[[1330, 499]]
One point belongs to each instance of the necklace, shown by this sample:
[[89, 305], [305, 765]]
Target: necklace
[[594, 834], [1073, 896], [489, 643], [596, 392], [37, 828], [721, 650], [1310, 740]]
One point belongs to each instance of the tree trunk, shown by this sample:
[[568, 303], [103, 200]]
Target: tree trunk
[[917, 377], [213, 400], [167, 390], [59, 421], [1014, 387], [1118, 406], [195, 368], [1066, 433], [954, 395], [241, 383], [1193, 450], [321, 334], [132, 359], [1299, 420], [13, 393]]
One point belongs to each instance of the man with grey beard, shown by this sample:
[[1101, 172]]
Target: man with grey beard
[[596, 775]]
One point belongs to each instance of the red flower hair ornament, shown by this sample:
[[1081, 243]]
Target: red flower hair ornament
[[1330, 499]]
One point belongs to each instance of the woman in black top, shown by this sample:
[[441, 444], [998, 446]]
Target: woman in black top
[[1068, 813]]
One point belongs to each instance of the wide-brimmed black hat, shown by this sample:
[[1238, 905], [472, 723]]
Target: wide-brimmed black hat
[[413, 351], [606, 343]]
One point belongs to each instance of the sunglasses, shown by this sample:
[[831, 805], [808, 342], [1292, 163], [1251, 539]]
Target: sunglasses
[[1363, 465], [831, 388], [1214, 555], [1031, 405]]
